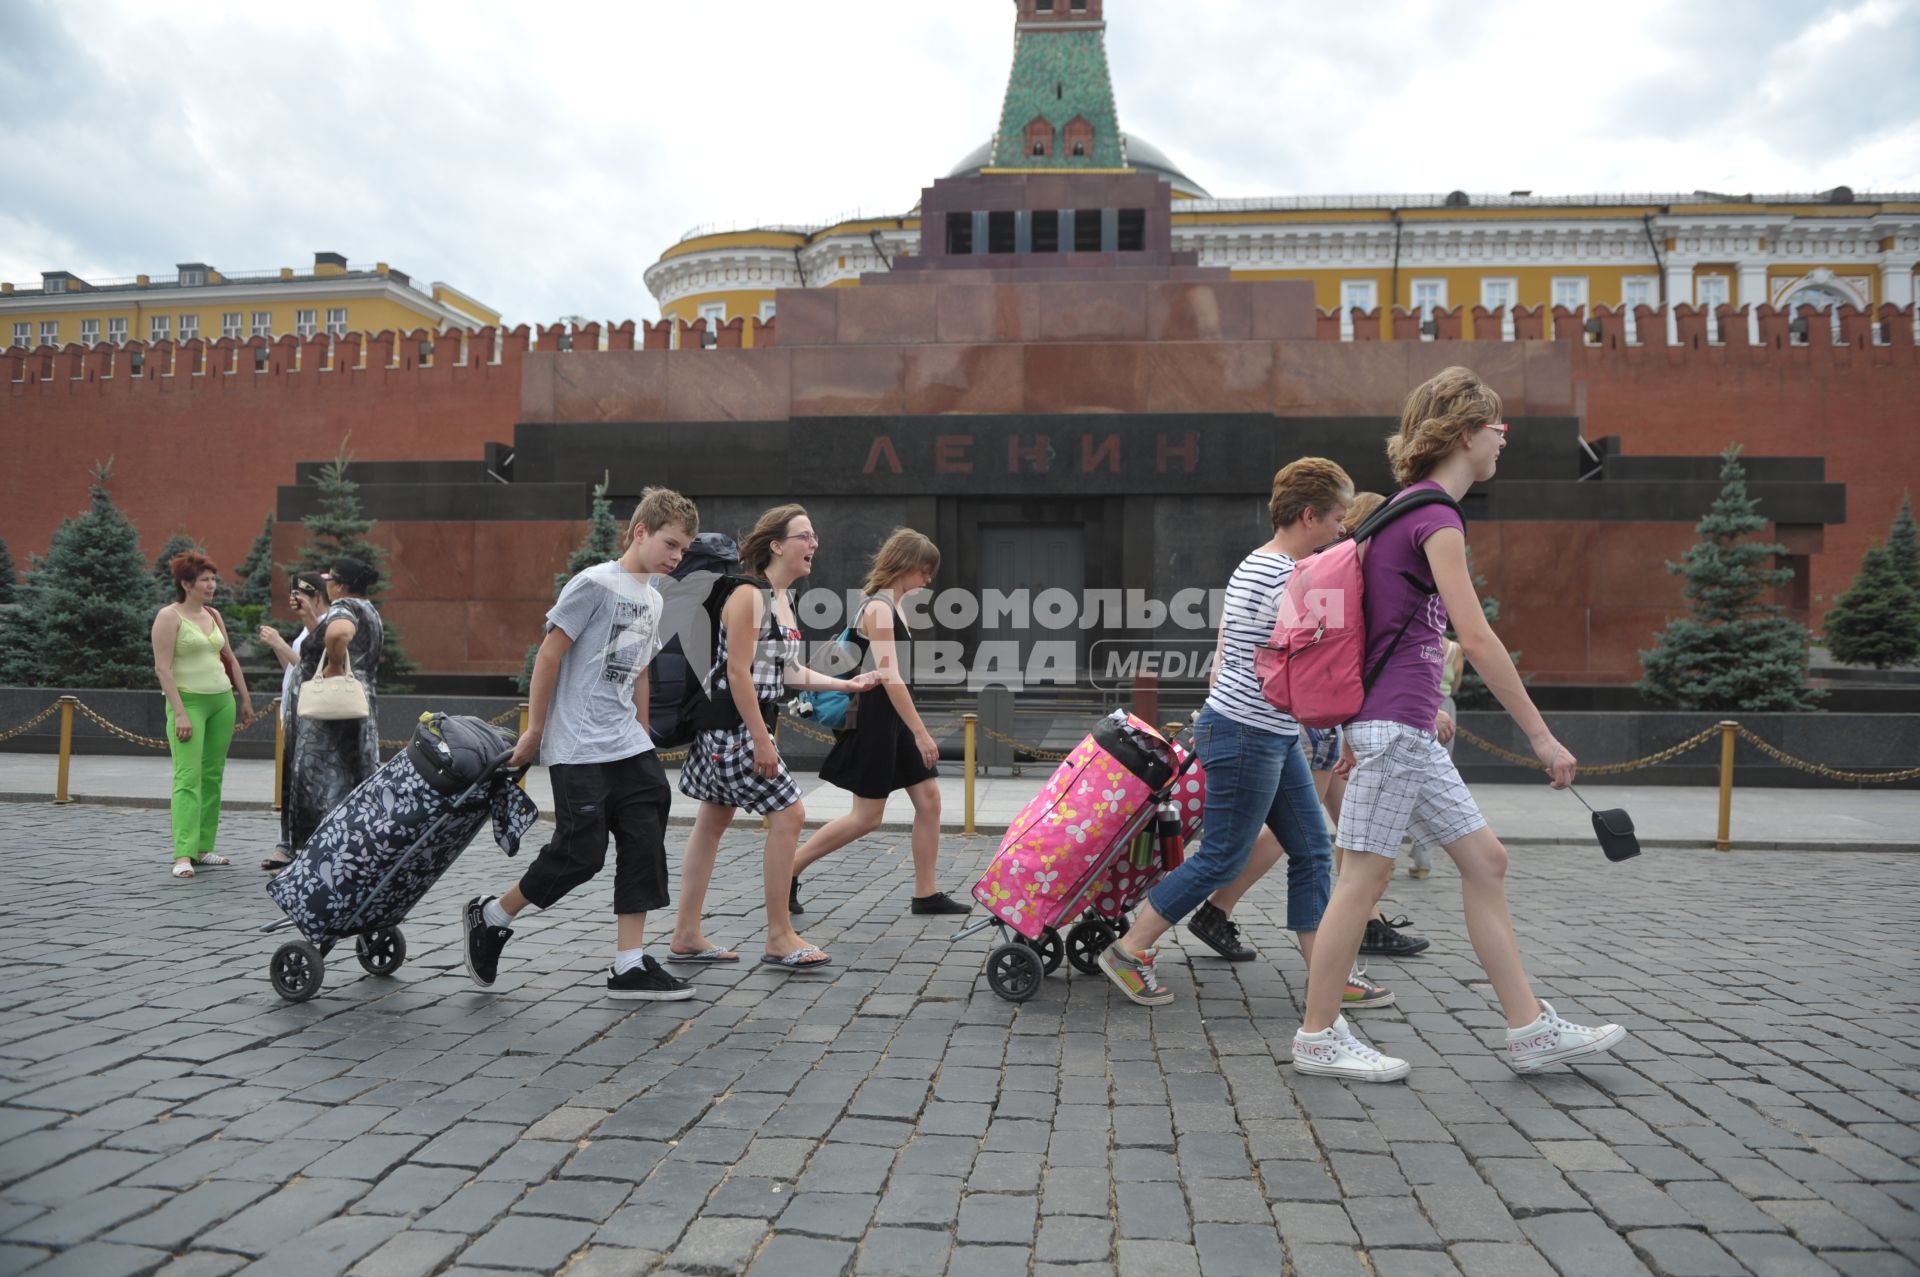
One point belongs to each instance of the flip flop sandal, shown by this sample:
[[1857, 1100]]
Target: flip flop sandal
[[798, 960], [274, 866], [183, 868], [715, 954], [208, 858]]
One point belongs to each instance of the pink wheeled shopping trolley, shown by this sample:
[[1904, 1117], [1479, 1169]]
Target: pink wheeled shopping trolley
[[1108, 824]]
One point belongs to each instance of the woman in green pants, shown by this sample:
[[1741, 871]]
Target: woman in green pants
[[197, 671]]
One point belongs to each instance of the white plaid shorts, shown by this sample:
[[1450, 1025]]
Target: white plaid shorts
[[1403, 782]]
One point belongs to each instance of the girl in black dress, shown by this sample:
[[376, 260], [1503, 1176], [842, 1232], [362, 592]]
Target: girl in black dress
[[885, 746]]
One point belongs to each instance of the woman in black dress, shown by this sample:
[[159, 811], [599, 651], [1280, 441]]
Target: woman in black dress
[[332, 757], [885, 745]]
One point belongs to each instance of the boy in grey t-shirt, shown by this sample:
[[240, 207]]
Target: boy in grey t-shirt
[[587, 707]]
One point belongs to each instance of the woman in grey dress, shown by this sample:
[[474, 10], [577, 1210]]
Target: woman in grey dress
[[331, 758]]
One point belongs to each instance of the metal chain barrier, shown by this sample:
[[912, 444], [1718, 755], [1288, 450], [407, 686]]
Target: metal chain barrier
[[31, 723], [125, 735], [1602, 769], [1821, 769], [1043, 755]]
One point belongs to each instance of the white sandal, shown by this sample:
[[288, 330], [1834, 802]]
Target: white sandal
[[183, 867], [209, 858]]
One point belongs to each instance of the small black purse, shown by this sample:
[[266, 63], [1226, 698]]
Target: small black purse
[[1614, 828]]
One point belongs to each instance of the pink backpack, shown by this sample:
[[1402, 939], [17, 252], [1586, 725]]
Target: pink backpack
[[1311, 668]]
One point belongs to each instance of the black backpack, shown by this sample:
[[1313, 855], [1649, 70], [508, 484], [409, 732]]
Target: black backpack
[[677, 702]]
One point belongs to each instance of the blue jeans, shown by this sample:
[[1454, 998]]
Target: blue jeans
[[1254, 778]]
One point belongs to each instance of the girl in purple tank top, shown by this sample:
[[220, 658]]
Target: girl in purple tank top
[[1401, 780]]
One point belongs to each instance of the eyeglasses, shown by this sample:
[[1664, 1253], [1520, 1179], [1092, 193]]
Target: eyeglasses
[[809, 537], [307, 590], [1500, 426]]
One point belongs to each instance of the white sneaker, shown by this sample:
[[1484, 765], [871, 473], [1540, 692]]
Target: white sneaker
[[1336, 1052], [1551, 1040]]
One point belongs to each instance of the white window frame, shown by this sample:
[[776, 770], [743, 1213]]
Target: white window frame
[[89, 332], [23, 333], [262, 324], [189, 327], [766, 311], [1356, 294], [196, 278], [49, 332], [1630, 288], [715, 313], [55, 286], [304, 324], [1710, 292], [1570, 291], [1437, 301], [117, 329], [336, 321], [233, 324], [159, 328]]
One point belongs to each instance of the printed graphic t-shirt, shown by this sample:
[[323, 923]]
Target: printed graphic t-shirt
[[613, 618], [1408, 688]]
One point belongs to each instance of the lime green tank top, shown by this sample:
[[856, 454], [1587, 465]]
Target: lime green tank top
[[196, 660], [1446, 674]]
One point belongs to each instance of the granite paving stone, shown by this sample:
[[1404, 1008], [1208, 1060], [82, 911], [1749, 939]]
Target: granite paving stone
[[891, 1116]]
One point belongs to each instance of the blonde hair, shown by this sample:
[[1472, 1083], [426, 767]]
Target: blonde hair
[[756, 552], [662, 508], [1311, 483], [902, 552], [1363, 505], [1437, 418]]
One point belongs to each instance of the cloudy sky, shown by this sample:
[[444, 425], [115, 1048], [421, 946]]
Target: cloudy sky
[[540, 157]]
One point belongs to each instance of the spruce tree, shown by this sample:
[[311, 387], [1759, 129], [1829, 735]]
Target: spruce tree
[[339, 529], [1877, 621], [1737, 651], [178, 543], [602, 542], [253, 583], [1903, 545], [9, 576], [87, 611]]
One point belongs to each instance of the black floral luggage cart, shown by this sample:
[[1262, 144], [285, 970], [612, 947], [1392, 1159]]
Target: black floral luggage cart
[[375, 855]]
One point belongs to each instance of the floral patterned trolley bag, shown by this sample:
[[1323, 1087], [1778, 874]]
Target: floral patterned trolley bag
[[375, 855], [1109, 823]]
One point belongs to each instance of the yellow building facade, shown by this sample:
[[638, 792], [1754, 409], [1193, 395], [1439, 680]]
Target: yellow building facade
[[199, 300]]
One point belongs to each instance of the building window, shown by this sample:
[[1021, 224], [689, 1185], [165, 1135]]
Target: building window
[[189, 327], [1639, 290], [262, 324], [1002, 230], [1045, 230], [1356, 294], [1429, 295], [766, 311], [1570, 291], [23, 333], [89, 332], [1086, 230], [193, 277], [54, 286], [49, 332], [159, 328], [1133, 230], [1498, 294], [233, 324], [959, 234], [715, 313], [1039, 134], [337, 321], [303, 323], [1079, 136], [117, 331], [1711, 290]]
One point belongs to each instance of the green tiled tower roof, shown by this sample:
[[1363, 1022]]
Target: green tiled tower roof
[[1060, 74]]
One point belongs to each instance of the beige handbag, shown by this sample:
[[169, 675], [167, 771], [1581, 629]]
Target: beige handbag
[[337, 699]]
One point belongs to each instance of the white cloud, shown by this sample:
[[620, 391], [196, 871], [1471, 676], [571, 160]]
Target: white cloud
[[542, 157]]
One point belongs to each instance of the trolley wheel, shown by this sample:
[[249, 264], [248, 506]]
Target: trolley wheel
[[1049, 947], [297, 970], [1015, 971], [381, 950], [1087, 939]]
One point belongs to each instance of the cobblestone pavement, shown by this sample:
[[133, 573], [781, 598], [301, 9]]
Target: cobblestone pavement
[[163, 1110]]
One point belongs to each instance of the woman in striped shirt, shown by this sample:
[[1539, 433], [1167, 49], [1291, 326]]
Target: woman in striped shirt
[[1257, 774]]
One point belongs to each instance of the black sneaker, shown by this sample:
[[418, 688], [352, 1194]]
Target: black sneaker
[[484, 943], [793, 897], [1384, 939], [1219, 932], [648, 982], [939, 902]]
